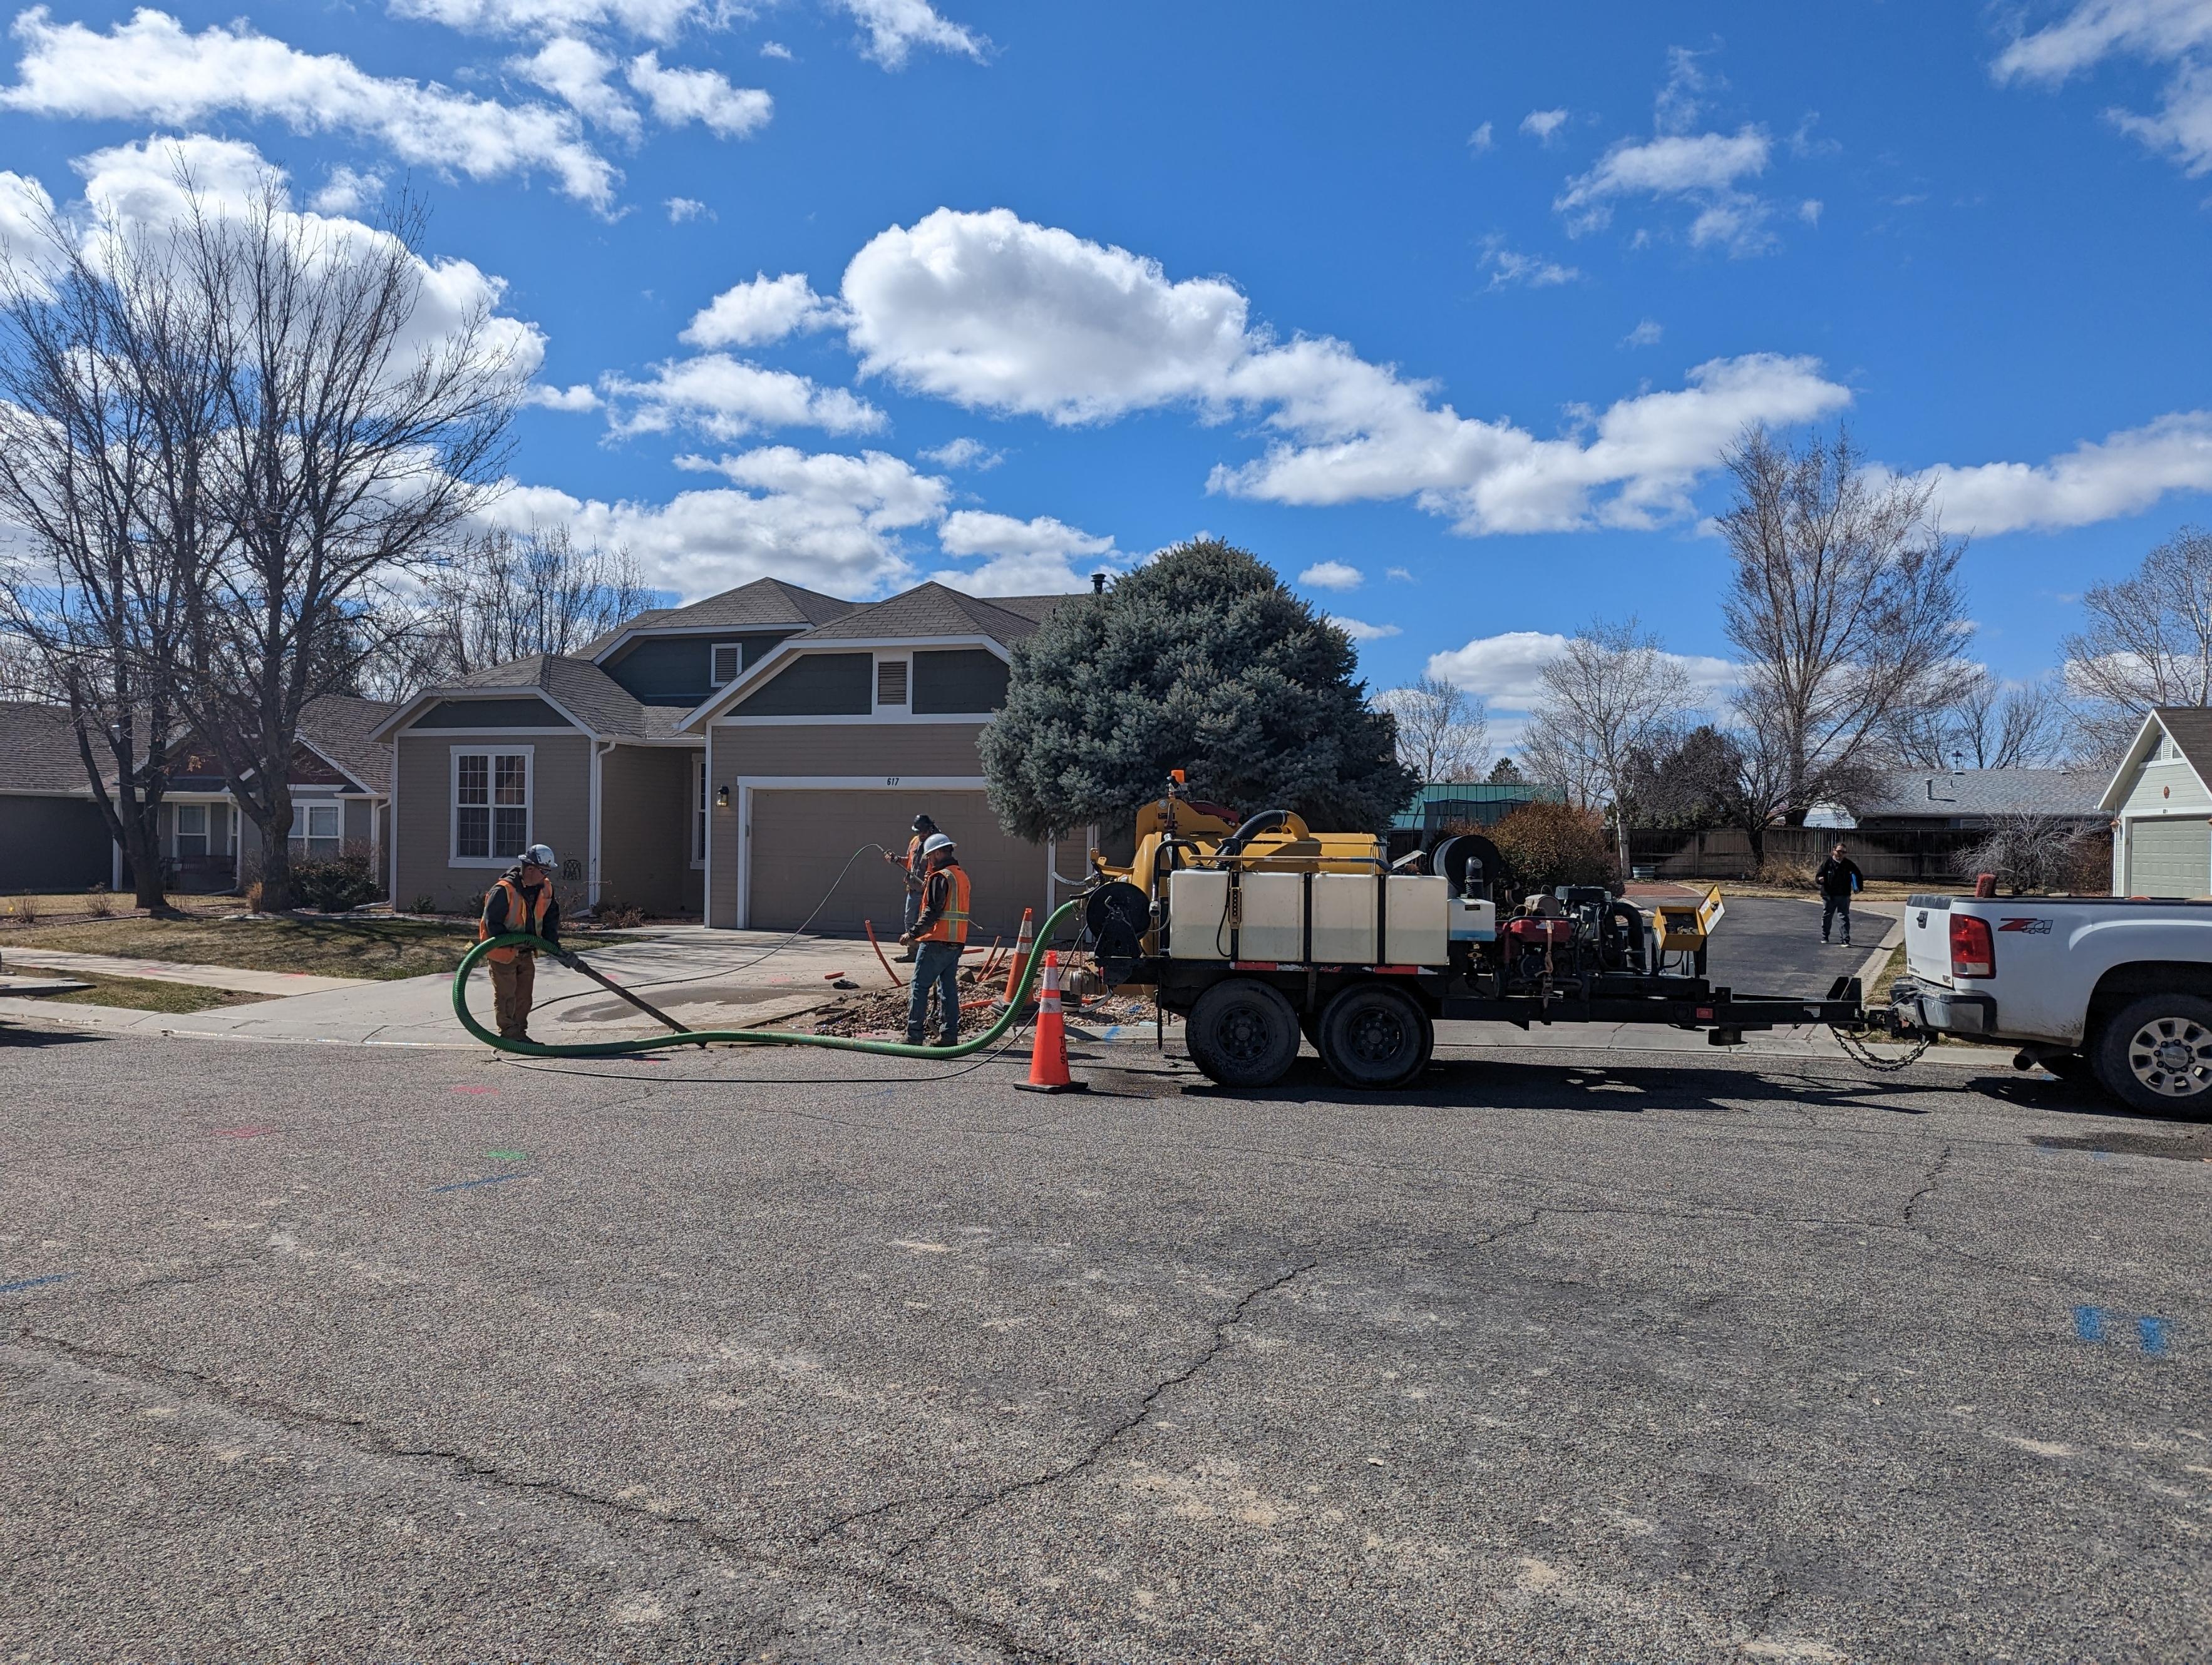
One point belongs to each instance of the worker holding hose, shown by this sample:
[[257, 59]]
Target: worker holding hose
[[938, 931], [911, 861], [521, 899]]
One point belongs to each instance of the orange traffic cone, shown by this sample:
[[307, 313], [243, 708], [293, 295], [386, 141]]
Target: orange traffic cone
[[1049, 1052], [1020, 959]]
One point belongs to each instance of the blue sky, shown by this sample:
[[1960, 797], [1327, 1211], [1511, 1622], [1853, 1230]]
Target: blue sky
[[1469, 294]]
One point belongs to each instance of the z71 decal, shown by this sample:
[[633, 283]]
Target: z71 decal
[[2034, 927]]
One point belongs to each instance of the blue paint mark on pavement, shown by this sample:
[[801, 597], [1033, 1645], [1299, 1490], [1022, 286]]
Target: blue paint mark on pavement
[[33, 1282], [470, 1184], [2089, 1323], [2153, 1334]]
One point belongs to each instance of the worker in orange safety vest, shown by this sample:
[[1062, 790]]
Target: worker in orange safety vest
[[940, 930], [521, 899], [916, 871]]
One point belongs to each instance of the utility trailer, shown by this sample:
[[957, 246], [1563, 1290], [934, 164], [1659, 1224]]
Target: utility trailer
[[1262, 934]]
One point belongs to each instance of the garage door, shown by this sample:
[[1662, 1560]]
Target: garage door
[[2169, 858], [801, 838]]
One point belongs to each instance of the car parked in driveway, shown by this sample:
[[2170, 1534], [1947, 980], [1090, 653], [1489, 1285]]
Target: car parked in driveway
[[2119, 988]]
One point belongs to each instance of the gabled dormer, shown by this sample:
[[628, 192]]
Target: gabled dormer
[[681, 656]]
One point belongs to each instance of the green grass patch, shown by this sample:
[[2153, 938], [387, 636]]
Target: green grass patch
[[143, 994], [1893, 968]]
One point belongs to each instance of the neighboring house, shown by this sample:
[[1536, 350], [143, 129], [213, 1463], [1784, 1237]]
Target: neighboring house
[[52, 836], [1920, 799], [725, 759], [2162, 807]]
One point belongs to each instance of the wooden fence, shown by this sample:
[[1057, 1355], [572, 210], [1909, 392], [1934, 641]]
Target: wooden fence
[[1934, 855]]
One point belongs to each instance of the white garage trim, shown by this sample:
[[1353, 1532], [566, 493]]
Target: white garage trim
[[748, 784]]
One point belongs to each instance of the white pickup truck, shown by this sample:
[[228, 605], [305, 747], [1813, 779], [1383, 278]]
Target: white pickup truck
[[2119, 988]]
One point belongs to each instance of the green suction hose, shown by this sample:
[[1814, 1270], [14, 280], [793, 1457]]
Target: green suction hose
[[702, 1038]]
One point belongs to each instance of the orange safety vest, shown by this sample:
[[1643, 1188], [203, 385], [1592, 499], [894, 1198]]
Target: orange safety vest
[[915, 877], [951, 925], [518, 907]]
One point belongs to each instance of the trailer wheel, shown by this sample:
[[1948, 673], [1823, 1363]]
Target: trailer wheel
[[1376, 1037], [2156, 1055], [1242, 1033]]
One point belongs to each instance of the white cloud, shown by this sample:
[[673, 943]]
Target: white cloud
[[895, 27], [1360, 631], [1027, 557], [992, 311], [655, 19], [727, 398], [1331, 575], [1645, 334], [150, 68], [762, 310], [345, 191], [138, 185], [581, 397], [1482, 138], [775, 49], [964, 453], [826, 521], [1810, 211], [577, 73], [1671, 165], [1508, 669], [701, 95], [1403, 574], [2175, 32], [681, 208], [1540, 125], [2124, 474], [1507, 268]]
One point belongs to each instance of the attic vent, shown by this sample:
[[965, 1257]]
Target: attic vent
[[725, 665], [891, 682]]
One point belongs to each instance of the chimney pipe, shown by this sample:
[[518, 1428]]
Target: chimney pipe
[[1098, 583]]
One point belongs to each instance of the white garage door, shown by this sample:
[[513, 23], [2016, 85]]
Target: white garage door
[[2169, 858], [800, 838]]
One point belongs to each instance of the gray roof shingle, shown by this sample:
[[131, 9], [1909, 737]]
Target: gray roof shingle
[[2191, 726], [932, 610], [1946, 795], [38, 749], [339, 727], [581, 688]]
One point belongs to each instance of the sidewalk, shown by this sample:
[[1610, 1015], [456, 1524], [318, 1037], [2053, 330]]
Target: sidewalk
[[229, 978]]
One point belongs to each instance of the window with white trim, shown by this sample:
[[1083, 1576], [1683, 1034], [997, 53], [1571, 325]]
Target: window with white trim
[[317, 830], [491, 804], [699, 810], [726, 659], [191, 830]]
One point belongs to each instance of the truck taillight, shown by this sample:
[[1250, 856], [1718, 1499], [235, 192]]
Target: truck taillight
[[1973, 951]]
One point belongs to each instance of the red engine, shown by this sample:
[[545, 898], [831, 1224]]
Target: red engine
[[1529, 932]]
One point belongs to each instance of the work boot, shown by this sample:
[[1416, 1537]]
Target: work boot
[[906, 958], [915, 1040], [946, 1041]]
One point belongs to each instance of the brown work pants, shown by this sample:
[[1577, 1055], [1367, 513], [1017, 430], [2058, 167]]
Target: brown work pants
[[511, 982]]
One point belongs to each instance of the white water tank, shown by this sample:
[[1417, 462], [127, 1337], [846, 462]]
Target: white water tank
[[1272, 915], [1344, 918], [1415, 928], [1198, 915]]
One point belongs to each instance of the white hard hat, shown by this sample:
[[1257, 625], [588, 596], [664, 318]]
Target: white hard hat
[[935, 842], [540, 855]]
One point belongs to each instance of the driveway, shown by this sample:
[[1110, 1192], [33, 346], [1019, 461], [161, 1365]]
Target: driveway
[[416, 1355]]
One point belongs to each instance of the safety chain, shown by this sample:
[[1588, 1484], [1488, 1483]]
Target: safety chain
[[1855, 1049]]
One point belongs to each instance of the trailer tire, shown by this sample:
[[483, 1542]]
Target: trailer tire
[[1375, 1038], [1242, 1033], [2155, 1055]]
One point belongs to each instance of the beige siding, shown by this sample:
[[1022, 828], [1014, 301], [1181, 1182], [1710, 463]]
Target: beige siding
[[561, 813], [645, 829], [843, 753], [802, 862], [357, 812]]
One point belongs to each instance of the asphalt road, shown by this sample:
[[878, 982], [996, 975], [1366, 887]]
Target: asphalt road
[[1772, 945], [350, 1354]]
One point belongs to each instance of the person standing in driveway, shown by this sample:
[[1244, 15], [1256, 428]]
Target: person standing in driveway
[[912, 862], [939, 931], [521, 899], [1836, 878]]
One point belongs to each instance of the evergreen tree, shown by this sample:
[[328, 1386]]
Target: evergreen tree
[[1200, 660]]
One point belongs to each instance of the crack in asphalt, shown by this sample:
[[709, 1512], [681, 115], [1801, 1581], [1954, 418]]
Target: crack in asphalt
[[1927, 1185], [1128, 1425], [364, 1435]]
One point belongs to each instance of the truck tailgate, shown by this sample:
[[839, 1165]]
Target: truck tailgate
[[1928, 940]]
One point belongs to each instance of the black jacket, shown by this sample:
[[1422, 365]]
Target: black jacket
[[1838, 879], [494, 911]]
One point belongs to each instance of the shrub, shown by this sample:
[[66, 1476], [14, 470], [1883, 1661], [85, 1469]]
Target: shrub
[[1784, 873], [99, 903], [332, 885], [26, 910], [2041, 853], [426, 903], [616, 915], [253, 895], [1547, 845], [2089, 864]]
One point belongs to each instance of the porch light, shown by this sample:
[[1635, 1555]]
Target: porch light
[[721, 798]]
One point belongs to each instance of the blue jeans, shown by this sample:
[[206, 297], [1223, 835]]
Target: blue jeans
[[934, 963], [1833, 909], [912, 913]]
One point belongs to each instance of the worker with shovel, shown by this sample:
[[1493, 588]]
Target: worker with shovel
[[521, 899], [938, 932]]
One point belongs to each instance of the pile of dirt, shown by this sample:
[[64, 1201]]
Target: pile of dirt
[[875, 1012]]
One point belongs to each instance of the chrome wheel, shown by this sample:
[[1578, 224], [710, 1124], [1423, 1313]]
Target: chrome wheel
[[2171, 1057]]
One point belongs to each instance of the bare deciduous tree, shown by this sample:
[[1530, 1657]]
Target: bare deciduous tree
[[2146, 641], [1844, 606], [107, 405], [1613, 693], [1444, 731], [1988, 723], [354, 447]]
